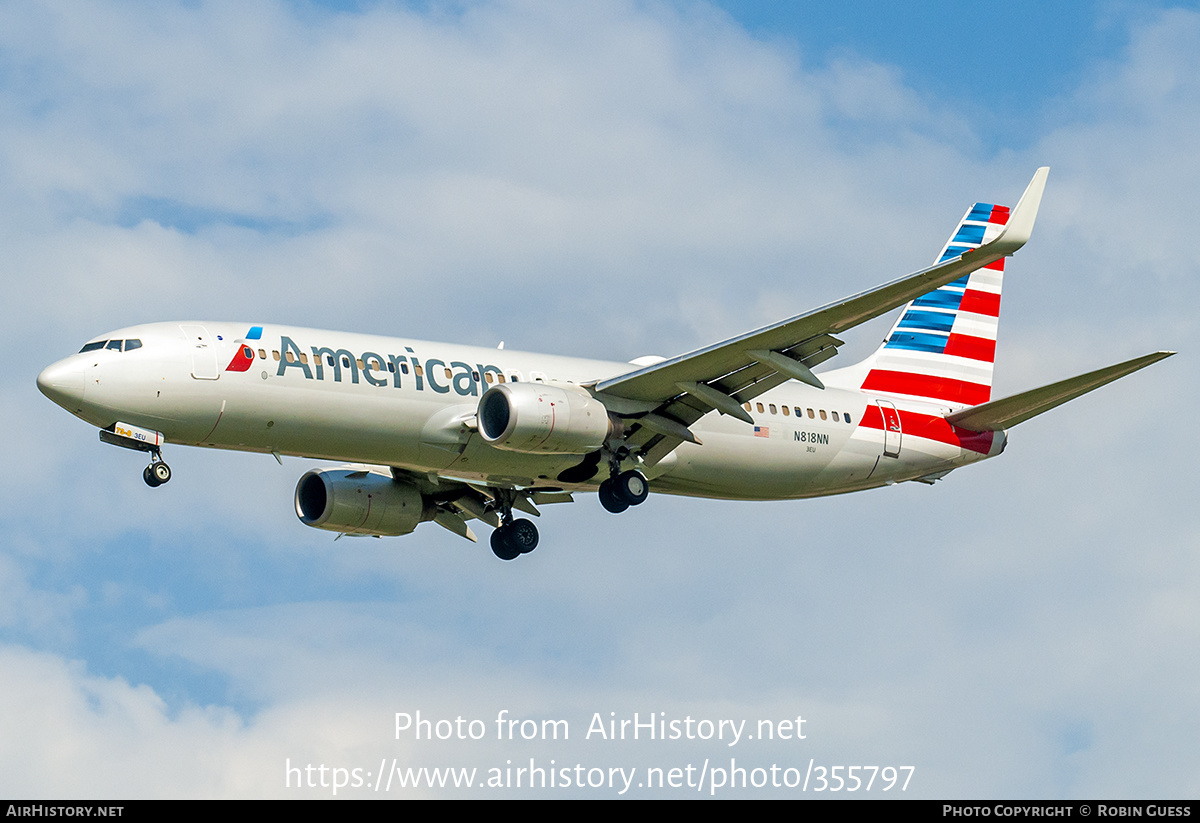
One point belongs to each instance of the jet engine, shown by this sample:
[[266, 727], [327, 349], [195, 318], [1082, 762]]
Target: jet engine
[[536, 418], [360, 502]]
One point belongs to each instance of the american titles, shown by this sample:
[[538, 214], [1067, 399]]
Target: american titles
[[381, 370]]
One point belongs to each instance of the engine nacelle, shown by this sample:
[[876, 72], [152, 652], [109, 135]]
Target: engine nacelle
[[359, 502], [536, 418]]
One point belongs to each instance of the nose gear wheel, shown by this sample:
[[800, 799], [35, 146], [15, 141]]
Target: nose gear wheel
[[157, 472]]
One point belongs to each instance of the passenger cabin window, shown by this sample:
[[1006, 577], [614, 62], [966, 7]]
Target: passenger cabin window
[[760, 408], [262, 354], [784, 409], [835, 417], [847, 416], [772, 407], [823, 416]]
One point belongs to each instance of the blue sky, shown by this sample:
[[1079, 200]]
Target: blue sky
[[607, 180], [969, 54]]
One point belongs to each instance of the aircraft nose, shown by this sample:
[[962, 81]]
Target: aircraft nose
[[62, 382]]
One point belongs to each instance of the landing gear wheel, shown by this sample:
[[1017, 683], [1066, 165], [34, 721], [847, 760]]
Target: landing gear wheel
[[609, 498], [161, 472], [157, 472], [514, 539], [502, 547], [524, 535], [632, 487]]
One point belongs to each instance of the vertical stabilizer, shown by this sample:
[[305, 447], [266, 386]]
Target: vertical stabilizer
[[944, 345]]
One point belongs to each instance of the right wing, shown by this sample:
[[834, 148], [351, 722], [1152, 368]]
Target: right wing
[[677, 392]]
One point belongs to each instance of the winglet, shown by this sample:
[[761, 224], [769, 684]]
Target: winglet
[[1020, 224]]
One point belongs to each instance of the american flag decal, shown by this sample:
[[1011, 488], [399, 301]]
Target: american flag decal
[[762, 431]]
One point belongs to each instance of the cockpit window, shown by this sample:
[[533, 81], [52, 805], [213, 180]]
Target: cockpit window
[[113, 345]]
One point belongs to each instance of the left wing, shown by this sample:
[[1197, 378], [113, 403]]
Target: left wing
[[677, 392]]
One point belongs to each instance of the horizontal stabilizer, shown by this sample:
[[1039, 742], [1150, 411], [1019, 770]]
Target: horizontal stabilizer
[[1009, 411]]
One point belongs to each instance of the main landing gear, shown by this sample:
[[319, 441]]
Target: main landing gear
[[512, 538], [623, 490], [157, 472]]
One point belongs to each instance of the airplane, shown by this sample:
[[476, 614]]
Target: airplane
[[448, 433]]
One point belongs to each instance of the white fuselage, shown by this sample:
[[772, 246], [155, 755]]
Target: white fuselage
[[411, 404]]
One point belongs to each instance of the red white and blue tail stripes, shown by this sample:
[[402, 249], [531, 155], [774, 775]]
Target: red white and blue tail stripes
[[944, 345]]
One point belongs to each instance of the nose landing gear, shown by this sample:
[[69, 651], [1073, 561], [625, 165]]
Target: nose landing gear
[[157, 472], [143, 440]]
